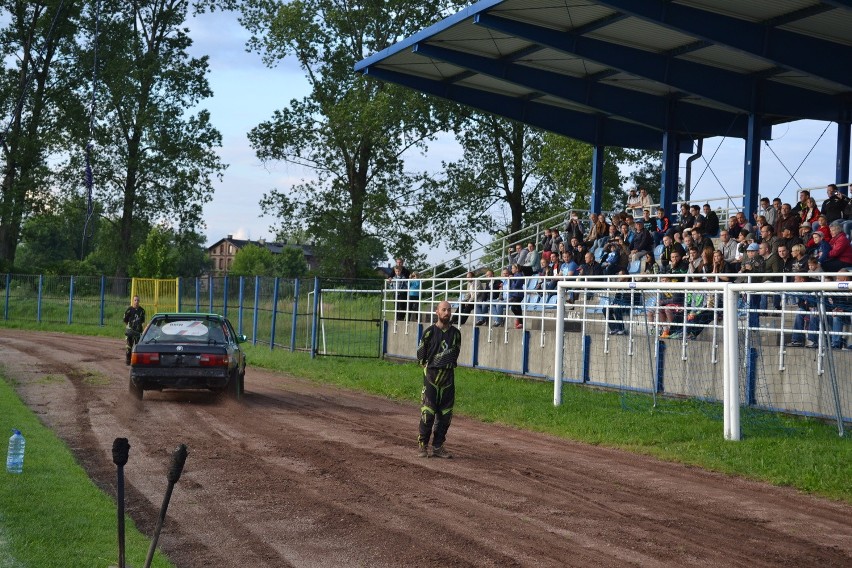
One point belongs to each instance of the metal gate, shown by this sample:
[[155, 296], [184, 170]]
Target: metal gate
[[349, 318]]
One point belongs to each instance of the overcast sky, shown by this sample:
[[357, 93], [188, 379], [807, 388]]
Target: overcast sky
[[246, 93]]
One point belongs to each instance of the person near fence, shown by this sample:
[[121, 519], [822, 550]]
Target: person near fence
[[484, 297], [753, 263], [134, 319], [399, 283], [807, 316], [414, 297], [438, 353], [699, 306], [838, 309], [516, 294], [622, 302], [467, 297], [500, 297]]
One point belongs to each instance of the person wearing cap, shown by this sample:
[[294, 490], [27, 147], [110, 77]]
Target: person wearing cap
[[818, 247], [752, 264], [840, 250]]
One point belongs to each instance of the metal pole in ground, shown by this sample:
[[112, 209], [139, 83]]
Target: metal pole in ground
[[120, 451], [178, 460]]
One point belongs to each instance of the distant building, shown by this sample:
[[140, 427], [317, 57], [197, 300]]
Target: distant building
[[223, 251]]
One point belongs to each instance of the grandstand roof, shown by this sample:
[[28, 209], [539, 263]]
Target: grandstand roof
[[622, 72]]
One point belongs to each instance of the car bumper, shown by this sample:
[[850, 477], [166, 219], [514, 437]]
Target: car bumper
[[179, 378]]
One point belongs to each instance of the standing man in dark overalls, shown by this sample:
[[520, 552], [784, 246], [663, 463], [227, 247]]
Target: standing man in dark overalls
[[134, 318], [437, 353]]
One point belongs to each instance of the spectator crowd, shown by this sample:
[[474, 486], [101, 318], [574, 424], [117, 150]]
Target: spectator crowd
[[781, 243]]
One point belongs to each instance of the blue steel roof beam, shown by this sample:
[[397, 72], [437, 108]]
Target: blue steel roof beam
[[650, 110], [791, 50], [577, 125], [725, 87]]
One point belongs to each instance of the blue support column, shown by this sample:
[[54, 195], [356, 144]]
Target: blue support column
[[474, 347], [295, 315], [525, 352], [197, 294], [597, 179], [587, 355], [274, 313], [103, 294], [751, 169], [256, 306], [210, 293], [671, 162], [6, 304], [661, 358], [225, 296], [315, 323], [71, 302], [240, 306], [40, 292], [843, 147]]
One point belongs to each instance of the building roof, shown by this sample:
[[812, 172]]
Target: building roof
[[622, 72], [273, 247]]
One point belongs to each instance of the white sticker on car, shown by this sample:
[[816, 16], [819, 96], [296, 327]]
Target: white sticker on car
[[193, 328]]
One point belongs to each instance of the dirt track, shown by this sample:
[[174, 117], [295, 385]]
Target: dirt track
[[306, 475]]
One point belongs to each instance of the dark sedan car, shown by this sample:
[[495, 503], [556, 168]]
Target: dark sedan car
[[188, 351]]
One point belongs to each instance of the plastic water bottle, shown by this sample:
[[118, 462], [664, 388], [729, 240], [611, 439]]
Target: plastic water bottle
[[15, 457]]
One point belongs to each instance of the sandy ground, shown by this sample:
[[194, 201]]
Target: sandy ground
[[305, 475]]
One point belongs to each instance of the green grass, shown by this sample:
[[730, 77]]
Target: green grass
[[52, 514], [805, 454]]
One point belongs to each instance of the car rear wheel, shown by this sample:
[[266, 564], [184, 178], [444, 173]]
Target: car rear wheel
[[135, 390], [235, 385]]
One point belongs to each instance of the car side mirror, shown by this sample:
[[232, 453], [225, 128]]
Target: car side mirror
[[241, 339]]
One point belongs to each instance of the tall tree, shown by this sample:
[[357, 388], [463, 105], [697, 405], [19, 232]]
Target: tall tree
[[35, 36], [155, 160], [512, 175], [351, 131]]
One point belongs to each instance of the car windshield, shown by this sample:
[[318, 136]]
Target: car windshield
[[185, 330]]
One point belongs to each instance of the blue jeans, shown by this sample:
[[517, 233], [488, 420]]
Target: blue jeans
[[836, 321], [799, 325]]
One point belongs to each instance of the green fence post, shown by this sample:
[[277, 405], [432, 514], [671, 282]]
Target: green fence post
[[180, 294]]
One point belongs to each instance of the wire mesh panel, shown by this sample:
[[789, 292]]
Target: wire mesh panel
[[791, 348], [794, 354], [350, 317]]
